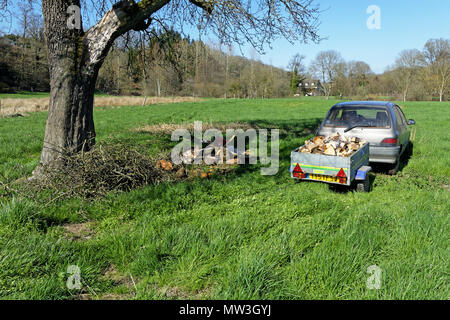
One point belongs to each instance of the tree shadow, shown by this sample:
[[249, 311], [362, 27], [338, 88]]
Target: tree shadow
[[288, 128], [406, 156], [290, 132]]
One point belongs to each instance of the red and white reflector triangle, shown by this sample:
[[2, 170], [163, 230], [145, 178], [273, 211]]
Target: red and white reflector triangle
[[341, 174], [298, 172]]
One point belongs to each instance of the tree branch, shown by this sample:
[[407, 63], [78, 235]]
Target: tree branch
[[124, 16], [208, 6]]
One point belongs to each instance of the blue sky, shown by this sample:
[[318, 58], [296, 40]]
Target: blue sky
[[405, 24]]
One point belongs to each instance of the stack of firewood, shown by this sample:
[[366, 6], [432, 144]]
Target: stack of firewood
[[333, 145]]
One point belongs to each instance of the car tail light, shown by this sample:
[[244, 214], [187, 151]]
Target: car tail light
[[389, 141]]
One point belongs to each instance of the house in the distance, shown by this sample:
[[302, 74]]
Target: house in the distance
[[310, 87]]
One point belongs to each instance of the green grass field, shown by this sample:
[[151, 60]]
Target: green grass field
[[24, 95], [236, 236]]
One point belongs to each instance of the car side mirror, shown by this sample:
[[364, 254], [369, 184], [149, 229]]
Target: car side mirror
[[411, 122]]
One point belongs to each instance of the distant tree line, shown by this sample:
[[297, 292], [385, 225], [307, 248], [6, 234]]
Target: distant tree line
[[415, 75], [23, 55], [156, 63], [164, 63]]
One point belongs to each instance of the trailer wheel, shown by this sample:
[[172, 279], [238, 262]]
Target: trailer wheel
[[363, 186]]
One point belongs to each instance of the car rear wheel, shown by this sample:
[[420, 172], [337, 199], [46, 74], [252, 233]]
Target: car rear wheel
[[393, 171]]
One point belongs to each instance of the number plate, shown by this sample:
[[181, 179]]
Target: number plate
[[319, 177]]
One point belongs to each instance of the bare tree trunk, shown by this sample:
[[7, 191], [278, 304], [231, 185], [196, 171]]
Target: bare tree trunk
[[158, 87], [327, 92], [226, 75], [70, 123], [441, 90], [25, 26], [144, 64]]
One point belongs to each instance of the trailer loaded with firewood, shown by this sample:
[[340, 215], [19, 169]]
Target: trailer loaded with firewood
[[335, 159]]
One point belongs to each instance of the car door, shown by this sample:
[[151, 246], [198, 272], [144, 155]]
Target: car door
[[407, 129], [402, 127]]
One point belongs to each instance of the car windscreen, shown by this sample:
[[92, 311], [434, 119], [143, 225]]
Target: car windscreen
[[348, 116]]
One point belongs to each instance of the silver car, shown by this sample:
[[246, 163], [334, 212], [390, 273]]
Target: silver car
[[382, 124]]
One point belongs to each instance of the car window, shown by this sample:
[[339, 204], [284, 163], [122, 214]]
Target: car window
[[399, 116], [347, 116], [402, 116]]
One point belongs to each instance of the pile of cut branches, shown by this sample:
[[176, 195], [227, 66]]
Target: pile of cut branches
[[103, 169]]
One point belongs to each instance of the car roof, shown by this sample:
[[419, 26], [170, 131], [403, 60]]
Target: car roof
[[366, 103]]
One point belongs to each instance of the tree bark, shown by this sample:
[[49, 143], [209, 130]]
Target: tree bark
[[70, 125], [75, 58]]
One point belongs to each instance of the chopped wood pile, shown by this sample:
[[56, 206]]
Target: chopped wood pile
[[333, 145]]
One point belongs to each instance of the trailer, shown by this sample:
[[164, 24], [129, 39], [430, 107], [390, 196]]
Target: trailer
[[345, 171]]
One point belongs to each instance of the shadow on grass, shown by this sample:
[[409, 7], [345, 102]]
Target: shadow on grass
[[384, 168], [290, 132], [295, 128], [378, 168]]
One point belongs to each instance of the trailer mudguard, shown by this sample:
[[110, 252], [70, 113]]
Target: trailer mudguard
[[362, 172]]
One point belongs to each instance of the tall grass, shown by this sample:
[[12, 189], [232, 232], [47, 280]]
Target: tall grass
[[11, 105]]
